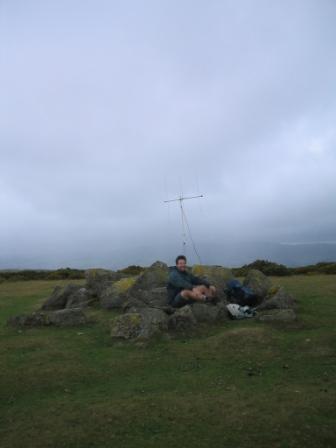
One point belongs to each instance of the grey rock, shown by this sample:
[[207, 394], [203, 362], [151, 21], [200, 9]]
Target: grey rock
[[59, 297], [258, 282], [208, 313], [154, 296], [182, 319], [140, 325], [133, 303], [99, 279], [155, 276], [116, 295], [280, 300], [68, 317], [79, 299], [205, 312], [112, 298]]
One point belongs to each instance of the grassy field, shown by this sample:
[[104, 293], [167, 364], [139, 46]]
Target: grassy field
[[238, 384]]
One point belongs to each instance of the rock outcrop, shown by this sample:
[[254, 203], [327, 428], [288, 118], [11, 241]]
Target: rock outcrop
[[142, 302]]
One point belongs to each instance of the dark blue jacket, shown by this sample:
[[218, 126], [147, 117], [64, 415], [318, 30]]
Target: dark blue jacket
[[178, 280]]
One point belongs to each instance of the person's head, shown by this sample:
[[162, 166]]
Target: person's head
[[181, 262]]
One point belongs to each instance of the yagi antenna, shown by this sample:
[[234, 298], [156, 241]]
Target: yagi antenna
[[185, 225]]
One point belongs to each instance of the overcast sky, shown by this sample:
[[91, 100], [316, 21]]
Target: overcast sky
[[107, 108]]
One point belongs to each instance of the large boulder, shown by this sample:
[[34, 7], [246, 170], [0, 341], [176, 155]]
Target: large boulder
[[216, 275], [280, 300], [155, 276], [140, 325], [209, 313], [99, 279], [258, 282], [153, 297], [68, 317], [80, 298], [59, 318], [277, 315], [69, 296], [115, 295], [59, 297], [182, 319]]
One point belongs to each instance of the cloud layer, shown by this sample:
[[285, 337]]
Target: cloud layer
[[108, 108]]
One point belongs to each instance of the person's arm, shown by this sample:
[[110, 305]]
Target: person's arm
[[178, 281], [199, 280]]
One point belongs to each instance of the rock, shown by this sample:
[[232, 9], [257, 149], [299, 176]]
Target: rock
[[60, 318], [280, 300], [59, 297], [132, 303], [277, 315], [99, 279], [115, 295], [258, 282], [216, 275], [155, 276], [68, 317], [209, 313], [154, 296], [35, 319], [141, 325], [79, 299], [182, 319]]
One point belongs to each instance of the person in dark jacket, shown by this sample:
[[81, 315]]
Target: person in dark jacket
[[185, 288]]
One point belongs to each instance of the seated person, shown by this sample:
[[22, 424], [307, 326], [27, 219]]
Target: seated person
[[185, 288]]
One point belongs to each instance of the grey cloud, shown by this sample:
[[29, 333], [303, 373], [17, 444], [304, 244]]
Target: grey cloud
[[109, 108]]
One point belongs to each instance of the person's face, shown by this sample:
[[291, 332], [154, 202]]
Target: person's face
[[181, 265]]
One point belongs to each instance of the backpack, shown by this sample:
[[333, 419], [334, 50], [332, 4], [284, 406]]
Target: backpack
[[237, 293]]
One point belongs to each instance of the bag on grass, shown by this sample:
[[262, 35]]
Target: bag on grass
[[240, 312]]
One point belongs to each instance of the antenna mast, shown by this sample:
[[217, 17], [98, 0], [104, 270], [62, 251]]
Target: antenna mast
[[184, 222]]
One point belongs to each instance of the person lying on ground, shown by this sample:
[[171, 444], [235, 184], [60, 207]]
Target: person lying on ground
[[185, 288]]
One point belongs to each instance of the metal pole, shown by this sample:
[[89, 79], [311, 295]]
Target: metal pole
[[184, 233]]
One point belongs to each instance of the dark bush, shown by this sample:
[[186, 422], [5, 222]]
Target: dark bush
[[32, 274], [131, 270], [266, 267]]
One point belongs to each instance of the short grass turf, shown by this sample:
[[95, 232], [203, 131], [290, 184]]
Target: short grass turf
[[237, 384]]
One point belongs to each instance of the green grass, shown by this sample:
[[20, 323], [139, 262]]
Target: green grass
[[238, 384]]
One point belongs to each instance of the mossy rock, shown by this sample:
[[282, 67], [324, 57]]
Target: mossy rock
[[258, 282], [98, 279], [280, 300], [61, 296], [155, 276], [114, 296], [141, 325]]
